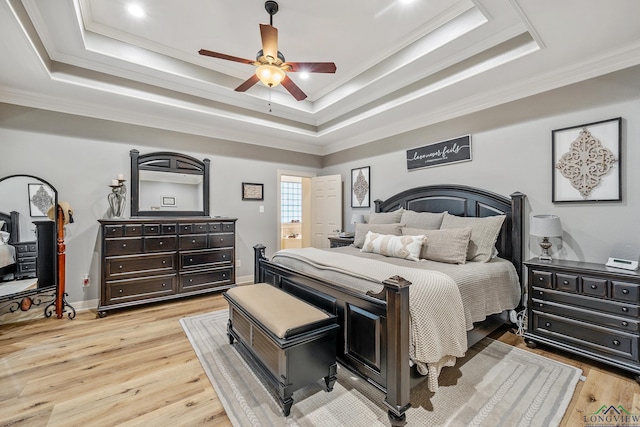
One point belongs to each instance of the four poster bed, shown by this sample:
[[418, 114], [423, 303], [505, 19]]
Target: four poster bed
[[383, 335]]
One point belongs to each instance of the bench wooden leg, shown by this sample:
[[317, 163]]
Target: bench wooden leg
[[331, 379], [229, 326], [286, 405]]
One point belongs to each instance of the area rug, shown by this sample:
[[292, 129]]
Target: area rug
[[493, 385]]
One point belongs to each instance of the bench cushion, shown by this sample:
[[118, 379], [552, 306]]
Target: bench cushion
[[276, 310]]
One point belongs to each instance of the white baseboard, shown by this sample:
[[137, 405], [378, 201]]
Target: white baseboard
[[243, 280]]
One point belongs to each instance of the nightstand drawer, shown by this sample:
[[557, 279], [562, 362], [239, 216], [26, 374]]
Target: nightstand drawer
[[542, 279], [567, 282], [625, 291], [594, 287], [587, 315], [617, 308], [587, 336]]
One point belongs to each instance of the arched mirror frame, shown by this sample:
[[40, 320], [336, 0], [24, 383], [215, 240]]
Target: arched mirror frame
[[54, 296], [172, 163]]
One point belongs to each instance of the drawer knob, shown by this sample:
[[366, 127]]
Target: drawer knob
[[541, 279], [625, 309], [224, 275], [616, 342], [566, 282], [160, 243], [133, 229], [224, 256], [193, 241], [547, 324], [540, 305], [119, 291], [594, 286], [124, 245], [164, 285], [625, 323], [222, 239], [190, 280], [190, 259], [625, 291], [120, 267], [164, 261]]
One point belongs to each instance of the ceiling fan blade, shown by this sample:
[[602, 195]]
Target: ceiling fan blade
[[269, 36], [312, 67], [293, 89], [223, 56], [248, 83]]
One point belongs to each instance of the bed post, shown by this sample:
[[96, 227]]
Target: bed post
[[517, 231], [258, 254], [398, 375]]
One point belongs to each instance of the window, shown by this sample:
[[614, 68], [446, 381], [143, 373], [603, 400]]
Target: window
[[291, 201]]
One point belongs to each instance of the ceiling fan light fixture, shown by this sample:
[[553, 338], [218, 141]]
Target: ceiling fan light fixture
[[270, 75]]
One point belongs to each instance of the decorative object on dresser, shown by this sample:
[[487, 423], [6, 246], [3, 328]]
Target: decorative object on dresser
[[360, 187], [43, 258], [118, 197], [545, 226], [587, 309], [337, 241], [586, 162], [625, 256], [146, 260]]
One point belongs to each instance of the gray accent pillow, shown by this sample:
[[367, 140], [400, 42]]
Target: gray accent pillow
[[385, 217], [448, 246], [363, 229], [484, 233], [423, 220]]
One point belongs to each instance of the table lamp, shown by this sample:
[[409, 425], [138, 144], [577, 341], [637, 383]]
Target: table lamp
[[357, 219], [545, 226]]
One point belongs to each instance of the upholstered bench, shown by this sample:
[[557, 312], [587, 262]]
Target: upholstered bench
[[292, 343]]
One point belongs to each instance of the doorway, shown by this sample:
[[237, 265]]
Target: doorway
[[294, 209]]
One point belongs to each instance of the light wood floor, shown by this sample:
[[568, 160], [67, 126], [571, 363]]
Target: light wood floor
[[137, 367]]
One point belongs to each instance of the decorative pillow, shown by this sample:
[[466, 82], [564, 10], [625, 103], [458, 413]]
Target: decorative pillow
[[4, 237], [484, 233], [448, 246], [1, 224], [423, 220], [385, 217], [362, 229], [406, 247]]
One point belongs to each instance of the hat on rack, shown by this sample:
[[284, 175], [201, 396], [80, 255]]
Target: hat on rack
[[66, 209]]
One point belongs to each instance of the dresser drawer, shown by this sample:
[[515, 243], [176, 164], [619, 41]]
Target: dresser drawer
[[222, 240], [185, 228], [193, 241], [219, 227], [625, 291], [160, 244], [151, 229], [587, 315], [168, 229], [134, 289], [27, 265], [26, 249], [120, 267], [542, 279], [206, 279], [206, 258], [133, 230], [591, 337], [113, 230], [595, 287], [124, 246], [613, 307]]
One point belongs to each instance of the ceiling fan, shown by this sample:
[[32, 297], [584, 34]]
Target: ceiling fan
[[271, 66]]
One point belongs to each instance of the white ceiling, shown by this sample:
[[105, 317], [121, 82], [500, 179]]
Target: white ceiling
[[401, 65]]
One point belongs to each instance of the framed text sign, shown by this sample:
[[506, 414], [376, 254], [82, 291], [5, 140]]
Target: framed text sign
[[440, 153]]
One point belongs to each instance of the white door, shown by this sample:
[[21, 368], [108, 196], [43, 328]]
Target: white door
[[326, 202]]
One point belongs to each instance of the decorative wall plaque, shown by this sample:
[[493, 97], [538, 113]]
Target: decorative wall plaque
[[586, 162], [360, 185]]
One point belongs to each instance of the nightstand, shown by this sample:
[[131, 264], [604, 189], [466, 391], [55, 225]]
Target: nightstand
[[587, 309], [336, 242], [26, 254]]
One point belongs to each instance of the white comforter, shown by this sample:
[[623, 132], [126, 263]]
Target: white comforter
[[7, 255], [437, 321]]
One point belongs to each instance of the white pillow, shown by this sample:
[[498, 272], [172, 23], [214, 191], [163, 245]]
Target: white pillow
[[1, 224], [483, 235], [4, 237], [406, 247]]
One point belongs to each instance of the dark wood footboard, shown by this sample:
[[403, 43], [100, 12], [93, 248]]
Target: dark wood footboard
[[374, 329]]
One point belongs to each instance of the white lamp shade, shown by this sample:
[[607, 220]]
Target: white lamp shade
[[357, 219], [546, 226]]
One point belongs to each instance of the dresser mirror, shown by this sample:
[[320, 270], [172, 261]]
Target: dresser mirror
[[169, 184], [29, 262]]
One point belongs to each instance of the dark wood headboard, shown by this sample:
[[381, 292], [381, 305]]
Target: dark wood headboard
[[12, 225], [461, 200]]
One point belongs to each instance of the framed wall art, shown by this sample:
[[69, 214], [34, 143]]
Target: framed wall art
[[41, 198], [252, 191], [586, 162], [169, 202], [360, 186]]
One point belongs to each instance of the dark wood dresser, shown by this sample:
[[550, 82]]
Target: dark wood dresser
[[46, 258], [147, 260], [585, 308]]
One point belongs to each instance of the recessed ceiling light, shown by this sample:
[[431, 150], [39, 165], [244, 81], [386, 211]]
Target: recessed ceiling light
[[136, 10], [304, 75]]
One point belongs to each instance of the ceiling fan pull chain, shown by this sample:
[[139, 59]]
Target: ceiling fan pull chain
[[269, 99]]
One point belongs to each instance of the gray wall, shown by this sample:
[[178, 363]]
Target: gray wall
[[80, 156], [512, 152]]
